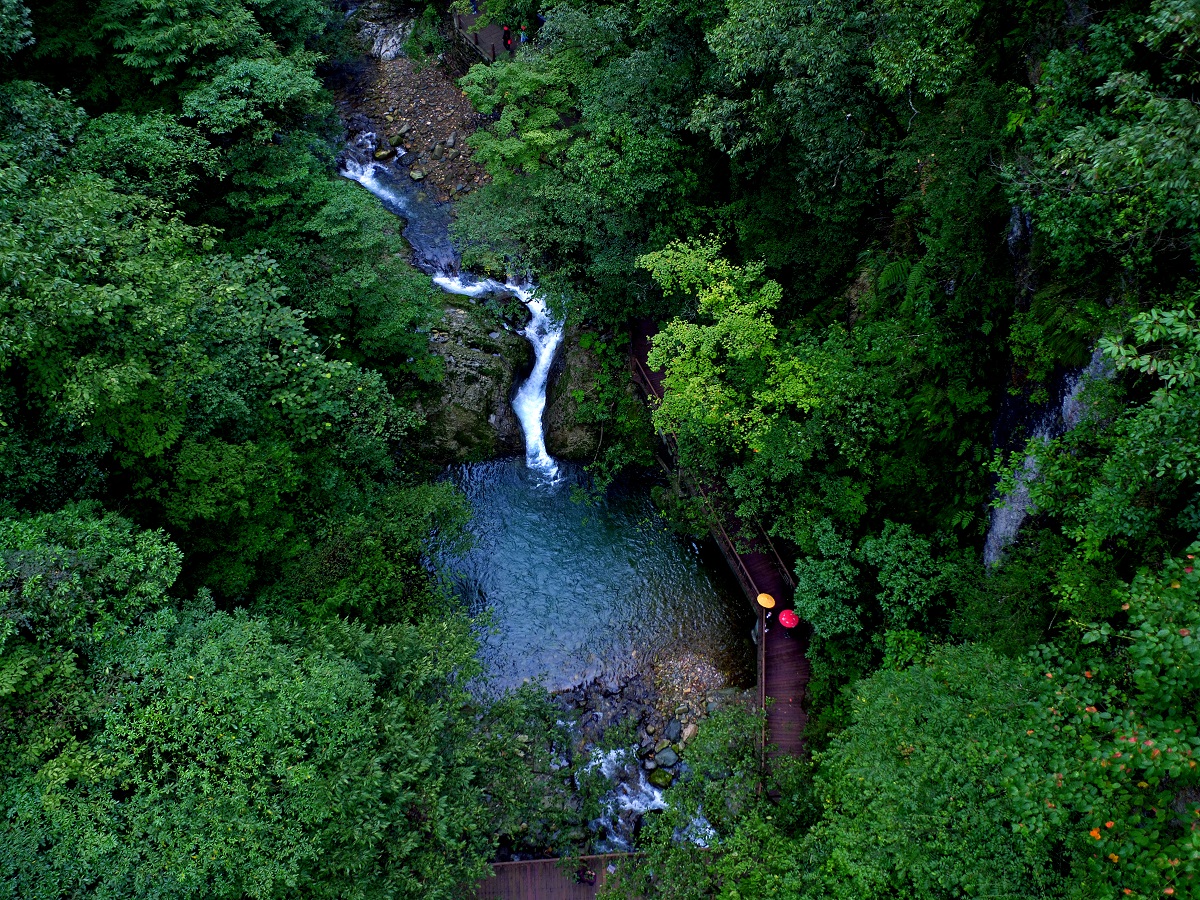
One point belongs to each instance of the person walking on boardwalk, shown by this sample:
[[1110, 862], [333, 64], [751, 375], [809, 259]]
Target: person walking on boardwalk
[[508, 40]]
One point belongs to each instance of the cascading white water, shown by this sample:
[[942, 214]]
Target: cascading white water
[[631, 798], [436, 256], [544, 333]]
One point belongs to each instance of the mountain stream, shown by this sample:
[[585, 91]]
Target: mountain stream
[[571, 594]]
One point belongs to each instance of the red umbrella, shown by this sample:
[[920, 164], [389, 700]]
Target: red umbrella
[[789, 619]]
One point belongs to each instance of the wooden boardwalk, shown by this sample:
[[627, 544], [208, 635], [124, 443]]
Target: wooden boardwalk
[[488, 41], [783, 667], [545, 879]]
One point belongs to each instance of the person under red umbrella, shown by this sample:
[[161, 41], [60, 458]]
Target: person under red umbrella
[[789, 620]]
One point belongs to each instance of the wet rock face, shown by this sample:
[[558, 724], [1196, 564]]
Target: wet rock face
[[385, 39], [574, 370], [472, 417]]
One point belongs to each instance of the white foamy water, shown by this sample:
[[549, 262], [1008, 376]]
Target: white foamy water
[[545, 334], [631, 798], [428, 233]]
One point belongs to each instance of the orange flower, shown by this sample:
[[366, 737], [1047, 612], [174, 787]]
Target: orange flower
[[1113, 857], [1169, 891], [1183, 632], [1090, 709], [1124, 606], [1127, 890], [1087, 673], [1095, 832], [1109, 824]]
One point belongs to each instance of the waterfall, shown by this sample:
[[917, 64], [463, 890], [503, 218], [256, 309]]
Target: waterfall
[[428, 231], [544, 333], [1052, 422]]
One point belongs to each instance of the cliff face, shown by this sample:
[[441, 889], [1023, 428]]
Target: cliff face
[[574, 370], [472, 417]]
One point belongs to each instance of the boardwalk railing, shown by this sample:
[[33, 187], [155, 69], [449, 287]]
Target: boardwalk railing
[[782, 669], [487, 41], [548, 879], [649, 384]]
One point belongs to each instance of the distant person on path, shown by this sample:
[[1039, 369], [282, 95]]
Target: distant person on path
[[524, 36], [508, 40]]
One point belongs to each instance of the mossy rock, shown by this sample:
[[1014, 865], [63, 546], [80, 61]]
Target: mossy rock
[[661, 778], [471, 418]]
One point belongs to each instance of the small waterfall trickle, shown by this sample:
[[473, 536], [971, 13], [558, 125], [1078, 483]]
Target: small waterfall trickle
[[428, 231], [1053, 421]]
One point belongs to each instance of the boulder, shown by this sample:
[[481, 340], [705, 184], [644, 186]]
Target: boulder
[[673, 730], [666, 758], [408, 159], [661, 745], [385, 153], [575, 370], [689, 733], [470, 417], [416, 174], [661, 778]]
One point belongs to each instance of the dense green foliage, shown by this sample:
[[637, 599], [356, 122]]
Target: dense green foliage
[[874, 240]]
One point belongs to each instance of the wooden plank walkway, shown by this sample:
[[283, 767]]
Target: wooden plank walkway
[[488, 41], [545, 879], [783, 668]]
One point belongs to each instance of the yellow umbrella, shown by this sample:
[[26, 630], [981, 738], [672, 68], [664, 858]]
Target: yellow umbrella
[[766, 601]]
